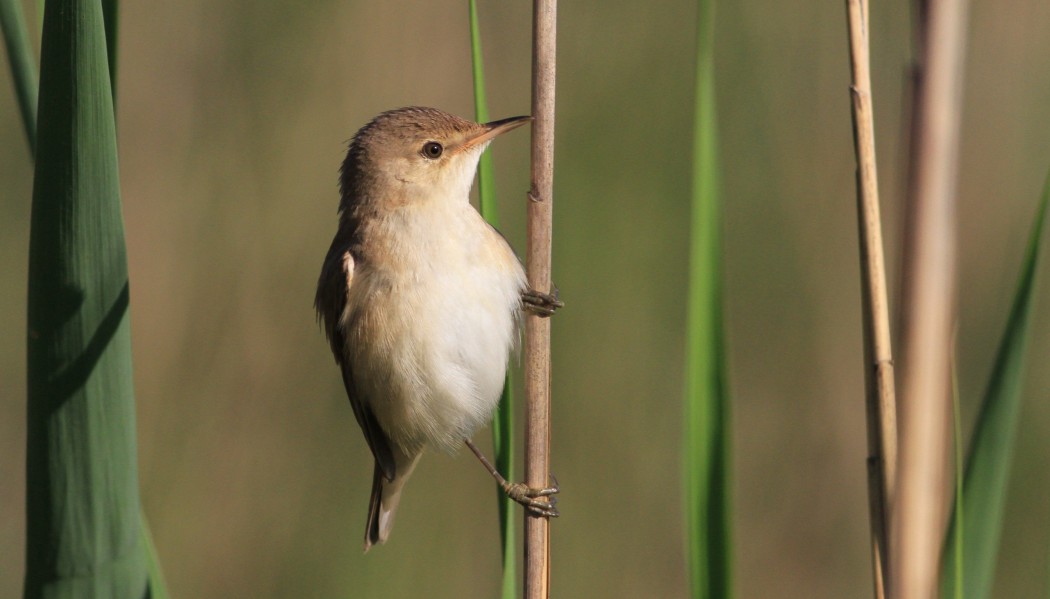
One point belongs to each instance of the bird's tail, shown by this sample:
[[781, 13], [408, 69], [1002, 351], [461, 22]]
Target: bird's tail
[[386, 494]]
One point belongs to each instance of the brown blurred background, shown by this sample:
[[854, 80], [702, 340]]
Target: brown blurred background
[[233, 118]]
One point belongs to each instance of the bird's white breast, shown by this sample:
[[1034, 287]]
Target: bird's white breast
[[431, 321]]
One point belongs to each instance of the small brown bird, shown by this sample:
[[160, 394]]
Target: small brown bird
[[420, 298]]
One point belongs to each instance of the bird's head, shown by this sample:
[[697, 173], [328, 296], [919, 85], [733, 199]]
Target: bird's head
[[416, 154]]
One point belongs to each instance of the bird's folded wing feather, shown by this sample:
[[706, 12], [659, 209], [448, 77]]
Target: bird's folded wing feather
[[336, 277]]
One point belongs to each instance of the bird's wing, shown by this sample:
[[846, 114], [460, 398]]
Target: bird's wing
[[337, 275]]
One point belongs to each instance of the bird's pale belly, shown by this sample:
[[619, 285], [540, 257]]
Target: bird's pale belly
[[440, 378]]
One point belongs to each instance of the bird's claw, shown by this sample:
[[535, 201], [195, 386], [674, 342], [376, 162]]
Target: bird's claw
[[539, 502], [539, 303]]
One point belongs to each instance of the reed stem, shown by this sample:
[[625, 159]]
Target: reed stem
[[928, 308], [878, 356], [537, 367]]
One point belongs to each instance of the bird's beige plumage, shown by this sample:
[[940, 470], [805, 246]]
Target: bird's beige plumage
[[418, 295]]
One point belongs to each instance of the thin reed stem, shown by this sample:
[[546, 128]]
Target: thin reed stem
[[537, 367], [878, 355], [23, 68], [503, 421], [957, 449], [708, 434]]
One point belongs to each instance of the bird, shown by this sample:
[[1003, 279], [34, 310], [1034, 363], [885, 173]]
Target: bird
[[421, 299]]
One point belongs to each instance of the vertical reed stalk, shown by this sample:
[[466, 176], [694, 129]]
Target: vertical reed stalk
[[503, 422], [538, 267], [707, 408], [23, 70], [958, 515], [878, 356], [928, 306]]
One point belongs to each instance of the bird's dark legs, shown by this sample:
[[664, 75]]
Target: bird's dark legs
[[530, 498]]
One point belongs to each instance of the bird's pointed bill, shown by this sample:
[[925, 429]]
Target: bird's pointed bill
[[490, 130]]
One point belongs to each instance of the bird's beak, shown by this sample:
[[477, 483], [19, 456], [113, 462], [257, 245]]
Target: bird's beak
[[491, 130]]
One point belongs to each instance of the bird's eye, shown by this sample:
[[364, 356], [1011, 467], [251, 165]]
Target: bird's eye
[[432, 150]]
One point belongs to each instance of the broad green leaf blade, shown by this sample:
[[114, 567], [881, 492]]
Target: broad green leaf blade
[[503, 423], [23, 67], [83, 529], [707, 401], [991, 447]]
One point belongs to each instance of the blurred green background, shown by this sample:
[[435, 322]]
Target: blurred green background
[[233, 119]]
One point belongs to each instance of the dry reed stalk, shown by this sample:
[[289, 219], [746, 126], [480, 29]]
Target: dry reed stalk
[[928, 306], [878, 355], [537, 358]]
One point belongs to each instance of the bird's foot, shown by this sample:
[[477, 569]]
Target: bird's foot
[[539, 502], [539, 303]]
